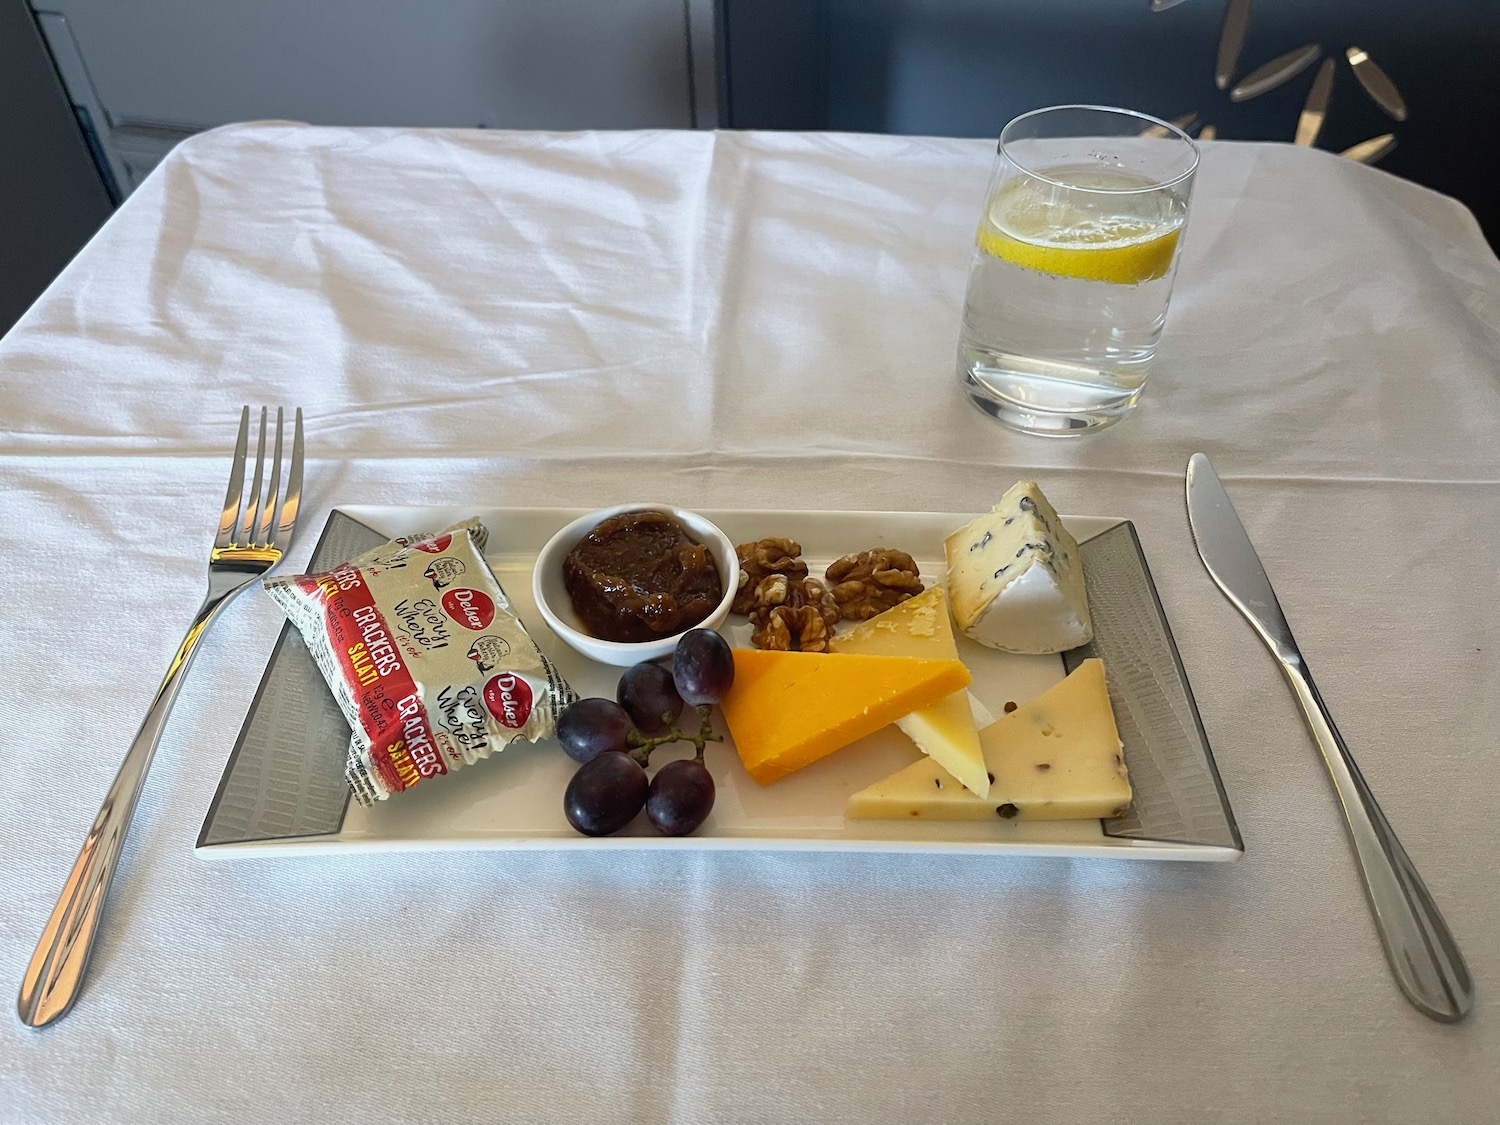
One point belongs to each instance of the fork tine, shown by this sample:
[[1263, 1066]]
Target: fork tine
[[247, 520], [293, 500], [236, 484], [266, 519]]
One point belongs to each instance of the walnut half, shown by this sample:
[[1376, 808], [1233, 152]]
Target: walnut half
[[761, 559], [873, 581], [792, 614], [792, 630]]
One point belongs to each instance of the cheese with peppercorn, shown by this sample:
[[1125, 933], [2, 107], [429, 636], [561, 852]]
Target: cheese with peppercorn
[[1057, 757]]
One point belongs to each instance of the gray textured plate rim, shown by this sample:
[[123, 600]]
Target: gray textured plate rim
[[1072, 659], [1160, 701], [321, 558]]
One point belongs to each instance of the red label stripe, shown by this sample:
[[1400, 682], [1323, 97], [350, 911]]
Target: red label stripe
[[402, 747]]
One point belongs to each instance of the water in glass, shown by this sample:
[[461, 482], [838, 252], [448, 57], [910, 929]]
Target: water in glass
[[1068, 287]]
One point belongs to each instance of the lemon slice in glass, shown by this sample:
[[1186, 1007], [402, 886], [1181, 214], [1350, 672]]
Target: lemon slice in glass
[[1062, 238]]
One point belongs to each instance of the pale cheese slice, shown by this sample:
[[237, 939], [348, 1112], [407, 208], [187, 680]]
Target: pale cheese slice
[[1015, 579], [920, 627], [1057, 757]]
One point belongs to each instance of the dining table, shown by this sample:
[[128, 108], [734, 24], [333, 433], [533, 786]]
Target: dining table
[[726, 321]]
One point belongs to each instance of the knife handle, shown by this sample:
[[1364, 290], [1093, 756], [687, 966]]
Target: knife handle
[[1420, 947]]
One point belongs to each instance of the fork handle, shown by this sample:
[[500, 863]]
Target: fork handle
[[1418, 944], [57, 968]]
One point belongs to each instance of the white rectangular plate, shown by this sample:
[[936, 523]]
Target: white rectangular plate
[[283, 789]]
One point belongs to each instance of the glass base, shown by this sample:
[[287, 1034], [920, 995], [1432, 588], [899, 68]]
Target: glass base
[[1048, 415]]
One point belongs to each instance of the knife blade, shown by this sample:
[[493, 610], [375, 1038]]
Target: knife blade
[[1315, 109], [1419, 947], [1376, 83], [1231, 40], [1283, 68], [1232, 563]]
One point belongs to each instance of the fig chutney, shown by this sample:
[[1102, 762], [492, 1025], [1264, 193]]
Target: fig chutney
[[639, 576]]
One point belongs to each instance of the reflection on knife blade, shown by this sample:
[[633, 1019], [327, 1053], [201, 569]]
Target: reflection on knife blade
[[1231, 39], [1283, 68], [1315, 109], [1376, 83], [1163, 5], [1367, 152]]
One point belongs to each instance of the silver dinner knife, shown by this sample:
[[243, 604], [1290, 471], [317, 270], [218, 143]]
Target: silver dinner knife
[[1418, 944]]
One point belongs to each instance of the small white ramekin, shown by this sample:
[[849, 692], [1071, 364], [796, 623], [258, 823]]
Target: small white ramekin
[[557, 608]]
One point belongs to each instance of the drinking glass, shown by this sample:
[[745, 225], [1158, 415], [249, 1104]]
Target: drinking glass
[[1073, 266]]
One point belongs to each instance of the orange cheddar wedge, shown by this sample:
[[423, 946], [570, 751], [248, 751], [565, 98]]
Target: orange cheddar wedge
[[788, 709]]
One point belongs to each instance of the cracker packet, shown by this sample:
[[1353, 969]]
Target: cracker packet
[[425, 657]]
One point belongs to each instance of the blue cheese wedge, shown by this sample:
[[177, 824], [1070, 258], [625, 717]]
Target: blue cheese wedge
[[1015, 581], [1057, 757]]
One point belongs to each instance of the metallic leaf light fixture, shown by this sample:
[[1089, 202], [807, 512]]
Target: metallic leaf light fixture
[[1282, 69]]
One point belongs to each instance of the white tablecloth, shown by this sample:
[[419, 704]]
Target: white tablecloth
[[746, 320]]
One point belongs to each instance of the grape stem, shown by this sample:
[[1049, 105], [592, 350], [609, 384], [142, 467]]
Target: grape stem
[[641, 745]]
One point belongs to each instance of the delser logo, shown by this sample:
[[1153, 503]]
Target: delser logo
[[508, 698], [473, 609]]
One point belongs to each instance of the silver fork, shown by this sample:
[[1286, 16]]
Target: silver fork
[[252, 538]]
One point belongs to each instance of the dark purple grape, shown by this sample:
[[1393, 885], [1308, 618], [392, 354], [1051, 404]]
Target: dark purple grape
[[605, 794], [702, 667], [591, 727], [650, 697], [682, 796]]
